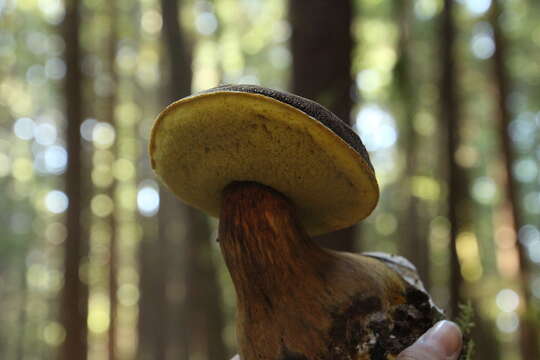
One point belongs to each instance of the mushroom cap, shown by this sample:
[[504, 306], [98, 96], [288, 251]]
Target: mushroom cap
[[202, 143]]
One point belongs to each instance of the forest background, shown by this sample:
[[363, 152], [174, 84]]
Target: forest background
[[98, 262]]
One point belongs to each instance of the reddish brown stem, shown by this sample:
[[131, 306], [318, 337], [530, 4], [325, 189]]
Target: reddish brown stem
[[262, 241], [299, 301]]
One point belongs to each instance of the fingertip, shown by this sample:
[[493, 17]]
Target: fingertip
[[442, 342], [445, 336], [448, 336]]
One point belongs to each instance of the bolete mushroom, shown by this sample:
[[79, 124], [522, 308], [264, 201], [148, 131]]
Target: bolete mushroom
[[278, 168]]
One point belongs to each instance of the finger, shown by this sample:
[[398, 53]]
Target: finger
[[442, 342]]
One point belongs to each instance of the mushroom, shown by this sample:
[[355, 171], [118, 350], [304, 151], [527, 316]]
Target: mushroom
[[278, 168]]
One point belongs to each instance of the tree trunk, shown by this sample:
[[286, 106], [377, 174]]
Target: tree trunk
[[171, 341], [414, 245], [110, 118], [201, 320], [529, 332], [450, 116], [148, 328], [23, 315], [74, 293], [321, 70], [203, 302], [486, 345]]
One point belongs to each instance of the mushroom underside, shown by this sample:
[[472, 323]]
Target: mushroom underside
[[202, 144]]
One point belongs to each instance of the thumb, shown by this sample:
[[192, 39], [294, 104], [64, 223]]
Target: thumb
[[442, 342]]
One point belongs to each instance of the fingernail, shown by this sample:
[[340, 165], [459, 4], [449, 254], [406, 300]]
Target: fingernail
[[445, 337]]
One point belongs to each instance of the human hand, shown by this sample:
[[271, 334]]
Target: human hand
[[442, 342]]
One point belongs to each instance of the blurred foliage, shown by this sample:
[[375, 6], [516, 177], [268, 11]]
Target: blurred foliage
[[465, 320], [246, 41]]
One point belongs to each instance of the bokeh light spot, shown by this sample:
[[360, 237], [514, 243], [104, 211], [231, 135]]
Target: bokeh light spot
[[151, 21], [45, 134], [128, 294], [54, 334], [482, 45], [52, 10], [522, 131], [526, 170], [56, 233], [98, 313], [56, 201], [426, 9], [87, 128], [206, 23], [148, 200], [103, 135], [507, 300], [425, 187], [468, 254], [56, 158], [466, 156], [369, 80], [528, 234], [35, 75], [507, 322], [102, 205], [477, 7], [22, 169], [376, 127], [533, 250], [123, 170], [55, 68], [102, 176], [484, 190], [24, 128]]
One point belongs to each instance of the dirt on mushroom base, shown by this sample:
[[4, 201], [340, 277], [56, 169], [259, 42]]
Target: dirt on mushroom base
[[364, 331]]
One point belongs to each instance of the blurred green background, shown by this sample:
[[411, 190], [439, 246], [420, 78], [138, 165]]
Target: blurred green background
[[98, 262]]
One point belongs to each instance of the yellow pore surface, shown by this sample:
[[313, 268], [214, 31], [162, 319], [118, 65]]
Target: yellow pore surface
[[202, 143]]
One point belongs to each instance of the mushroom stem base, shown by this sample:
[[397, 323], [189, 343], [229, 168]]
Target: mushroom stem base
[[297, 301]]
